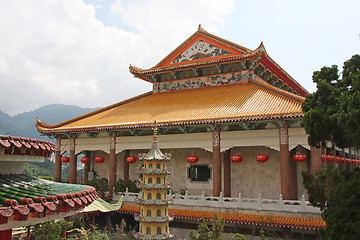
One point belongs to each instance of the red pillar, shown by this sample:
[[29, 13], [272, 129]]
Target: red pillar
[[86, 168], [73, 160], [107, 222], [126, 165], [287, 167], [316, 162], [6, 234], [57, 171], [112, 163], [216, 162], [227, 174]]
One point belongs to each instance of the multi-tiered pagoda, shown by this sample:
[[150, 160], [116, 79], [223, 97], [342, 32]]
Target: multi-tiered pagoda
[[154, 216]]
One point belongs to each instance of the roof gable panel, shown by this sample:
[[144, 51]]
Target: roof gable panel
[[199, 46], [199, 50]]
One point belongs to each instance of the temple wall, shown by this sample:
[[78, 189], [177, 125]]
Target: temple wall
[[248, 177]]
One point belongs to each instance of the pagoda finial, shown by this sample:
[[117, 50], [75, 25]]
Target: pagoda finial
[[155, 132], [200, 28]]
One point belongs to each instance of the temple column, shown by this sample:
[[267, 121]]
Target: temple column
[[6, 234], [87, 168], [126, 165], [112, 163], [73, 160], [216, 162], [287, 167], [227, 174], [315, 159], [57, 171]]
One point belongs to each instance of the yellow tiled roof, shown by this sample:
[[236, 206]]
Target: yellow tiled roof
[[280, 221], [253, 101]]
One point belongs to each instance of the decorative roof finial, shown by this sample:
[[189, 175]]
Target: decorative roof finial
[[155, 132], [200, 28]]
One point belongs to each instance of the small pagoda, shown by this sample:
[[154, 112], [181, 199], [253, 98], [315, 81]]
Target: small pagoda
[[154, 215]]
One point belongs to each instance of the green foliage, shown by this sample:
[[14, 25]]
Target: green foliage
[[337, 193], [332, 113], [50, 230], [45, 169], [121, 185], [238, 236], [216, 232], [101, 185]]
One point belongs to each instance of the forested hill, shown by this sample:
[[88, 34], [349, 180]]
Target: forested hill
[[23, 125]]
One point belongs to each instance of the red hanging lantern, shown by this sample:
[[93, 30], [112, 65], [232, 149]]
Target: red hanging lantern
[[99, 159], [193, 159], [340, 159], [330, 158], [347, 160], [323, 157], [354, 161], [131, 159], [85, 159], [236, 158], [300, 157], [65, 159], [261, 158]]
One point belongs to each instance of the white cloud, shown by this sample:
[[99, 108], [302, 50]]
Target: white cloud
[[57, 51]]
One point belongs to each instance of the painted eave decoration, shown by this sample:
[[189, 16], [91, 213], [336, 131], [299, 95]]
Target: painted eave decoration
[[24, 197], [251, 219]]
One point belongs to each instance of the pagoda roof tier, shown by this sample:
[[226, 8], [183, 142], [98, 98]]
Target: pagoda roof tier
[[153, 186], [138, 235], [154, 202], [250, 101], [156, 171], [203, 49], [160, 219]]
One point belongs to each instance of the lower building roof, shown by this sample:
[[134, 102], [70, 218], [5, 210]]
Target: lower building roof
[[253, 219], [23, 197]]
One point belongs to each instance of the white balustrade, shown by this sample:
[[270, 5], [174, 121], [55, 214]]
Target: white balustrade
[[301, 206]]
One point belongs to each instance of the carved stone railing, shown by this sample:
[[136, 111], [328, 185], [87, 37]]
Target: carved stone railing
[[300, 206]]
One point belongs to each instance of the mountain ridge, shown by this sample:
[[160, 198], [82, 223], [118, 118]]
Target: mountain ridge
[[23, 124]]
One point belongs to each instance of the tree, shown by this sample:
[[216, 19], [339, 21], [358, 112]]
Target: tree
[[337, 193], [332, 114], [50, 230]]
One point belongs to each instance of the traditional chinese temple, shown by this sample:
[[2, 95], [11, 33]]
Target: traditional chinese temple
[[27, 200], [230, 117]]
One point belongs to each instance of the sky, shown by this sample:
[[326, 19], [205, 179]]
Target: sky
[[78, 52]]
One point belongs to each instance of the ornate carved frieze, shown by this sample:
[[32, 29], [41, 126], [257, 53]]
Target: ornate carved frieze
[[283, 133], [218, 79]]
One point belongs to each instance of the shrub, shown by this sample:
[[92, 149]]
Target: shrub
[[121, 185], [101, 185]]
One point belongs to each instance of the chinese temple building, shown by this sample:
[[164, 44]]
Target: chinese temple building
[[154, 217], [27, 200], [220, 108]]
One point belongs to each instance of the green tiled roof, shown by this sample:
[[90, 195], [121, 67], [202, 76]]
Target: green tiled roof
[[22, 194]]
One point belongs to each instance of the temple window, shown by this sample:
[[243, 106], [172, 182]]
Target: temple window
[[165, 211], [158, 230], [166, 229], [158, 165], [158, 196], [164, 195], [199, 173], [158, 213], [149, 196], [148, 213], [148, 230], [150, 165], [150, 180], [158, 180]]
